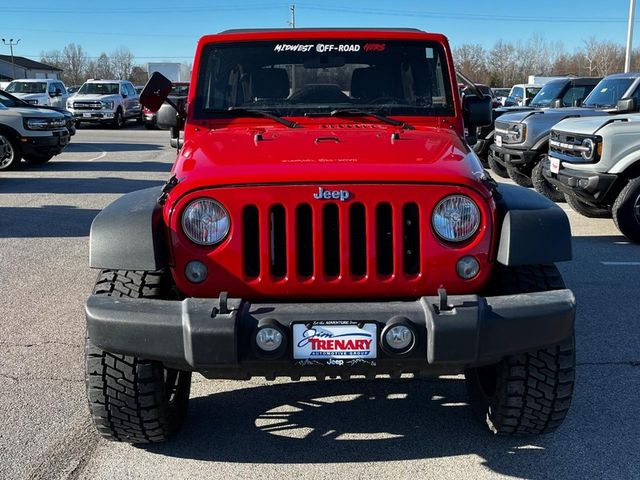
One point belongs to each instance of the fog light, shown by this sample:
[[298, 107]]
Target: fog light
[[196, 271], [468, 267], [399, 338], [269, 339]]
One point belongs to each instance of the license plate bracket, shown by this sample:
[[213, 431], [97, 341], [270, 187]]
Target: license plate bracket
[[498, 141], [335, 342]]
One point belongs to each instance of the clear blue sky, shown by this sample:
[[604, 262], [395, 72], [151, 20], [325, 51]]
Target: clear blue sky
[[156, 30]]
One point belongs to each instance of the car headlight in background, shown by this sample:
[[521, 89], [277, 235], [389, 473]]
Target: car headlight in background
[[108, 105], [518, 132], [69, 104], [205, 221], [44, 123], [456, 218]]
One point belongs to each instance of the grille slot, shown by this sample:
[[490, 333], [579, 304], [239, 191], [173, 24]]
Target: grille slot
[[278, 241], [384, 239], [304, 238], [411, 238], [358, 239], [331, 239], [251, 241]]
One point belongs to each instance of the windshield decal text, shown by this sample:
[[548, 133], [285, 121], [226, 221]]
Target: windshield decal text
[[328, 47]]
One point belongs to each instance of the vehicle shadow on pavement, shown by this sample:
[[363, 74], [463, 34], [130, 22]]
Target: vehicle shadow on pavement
[[75, 185], [80, 166], [362, 421], [60, 221], [82, 147]]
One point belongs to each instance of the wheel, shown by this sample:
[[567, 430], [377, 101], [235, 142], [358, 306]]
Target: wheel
[[131, 399], [519, 177], [529, 393], [38, 159], [542, 185], [497, 168], [626, 211], [10, 153], [118, 119], [585, 209]]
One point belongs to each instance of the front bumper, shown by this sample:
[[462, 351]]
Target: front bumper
[[51, 144], [193, 334], [511, 156], [94, 116], [592, 187]]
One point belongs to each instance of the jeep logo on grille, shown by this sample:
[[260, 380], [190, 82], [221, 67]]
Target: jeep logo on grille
[[322, 194]]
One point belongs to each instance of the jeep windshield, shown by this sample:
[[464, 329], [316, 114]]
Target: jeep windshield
[[550, 92], [608, 92], [27, 87], [321, 76], [99, 89]]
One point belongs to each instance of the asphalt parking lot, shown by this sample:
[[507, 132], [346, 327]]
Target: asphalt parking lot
[[383, 429]]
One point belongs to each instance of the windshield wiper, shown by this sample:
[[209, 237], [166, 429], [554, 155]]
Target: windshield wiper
[[355, 111], [264, 113]]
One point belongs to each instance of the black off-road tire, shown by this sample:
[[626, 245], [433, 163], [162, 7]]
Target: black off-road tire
[[118, 119], [543, 186], [518, 177], [585, 209], [10, 161], [497, 168], [530, 393], [131, 399], [626, 211]]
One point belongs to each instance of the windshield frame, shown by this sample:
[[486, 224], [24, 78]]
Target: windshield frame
[[448, 109], [22, 83], [598, 90], [82, 90], [558, 93]]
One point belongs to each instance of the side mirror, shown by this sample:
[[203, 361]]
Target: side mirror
[[172, 116], [557, 103], [124, 94], [626, 105], [476, 112], [578, 102], [527, 101], [155, 92], [57, 93]]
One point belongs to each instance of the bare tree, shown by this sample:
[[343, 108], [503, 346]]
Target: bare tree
[[76, 61], [122, 62], [471, 60], [501, 62]]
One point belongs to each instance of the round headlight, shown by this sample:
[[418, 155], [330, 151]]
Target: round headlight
[[456, 218], [205, 222], [590, 147]]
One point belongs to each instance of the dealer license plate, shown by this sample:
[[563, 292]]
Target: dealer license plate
[[334, 342], [554, 164], [498, 141], [86, 115]]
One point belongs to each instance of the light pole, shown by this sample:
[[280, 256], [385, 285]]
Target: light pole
[[11, 45], [627, 58]]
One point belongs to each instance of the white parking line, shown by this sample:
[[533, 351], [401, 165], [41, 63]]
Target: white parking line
[[621, 264]]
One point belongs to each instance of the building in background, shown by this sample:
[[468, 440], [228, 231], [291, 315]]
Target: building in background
[[176, 72], [26, 68]]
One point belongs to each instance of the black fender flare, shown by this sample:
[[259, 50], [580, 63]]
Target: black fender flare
[[129, 233], [534, 230]]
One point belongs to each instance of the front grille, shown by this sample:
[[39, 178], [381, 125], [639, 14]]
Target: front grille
[[87, 105], [292, 241], [566, 144], [332, 240]]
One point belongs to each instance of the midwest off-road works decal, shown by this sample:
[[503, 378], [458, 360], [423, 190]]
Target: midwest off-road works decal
[[329, 47]]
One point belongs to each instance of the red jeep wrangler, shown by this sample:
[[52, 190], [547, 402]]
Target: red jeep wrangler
[[326, 217]]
